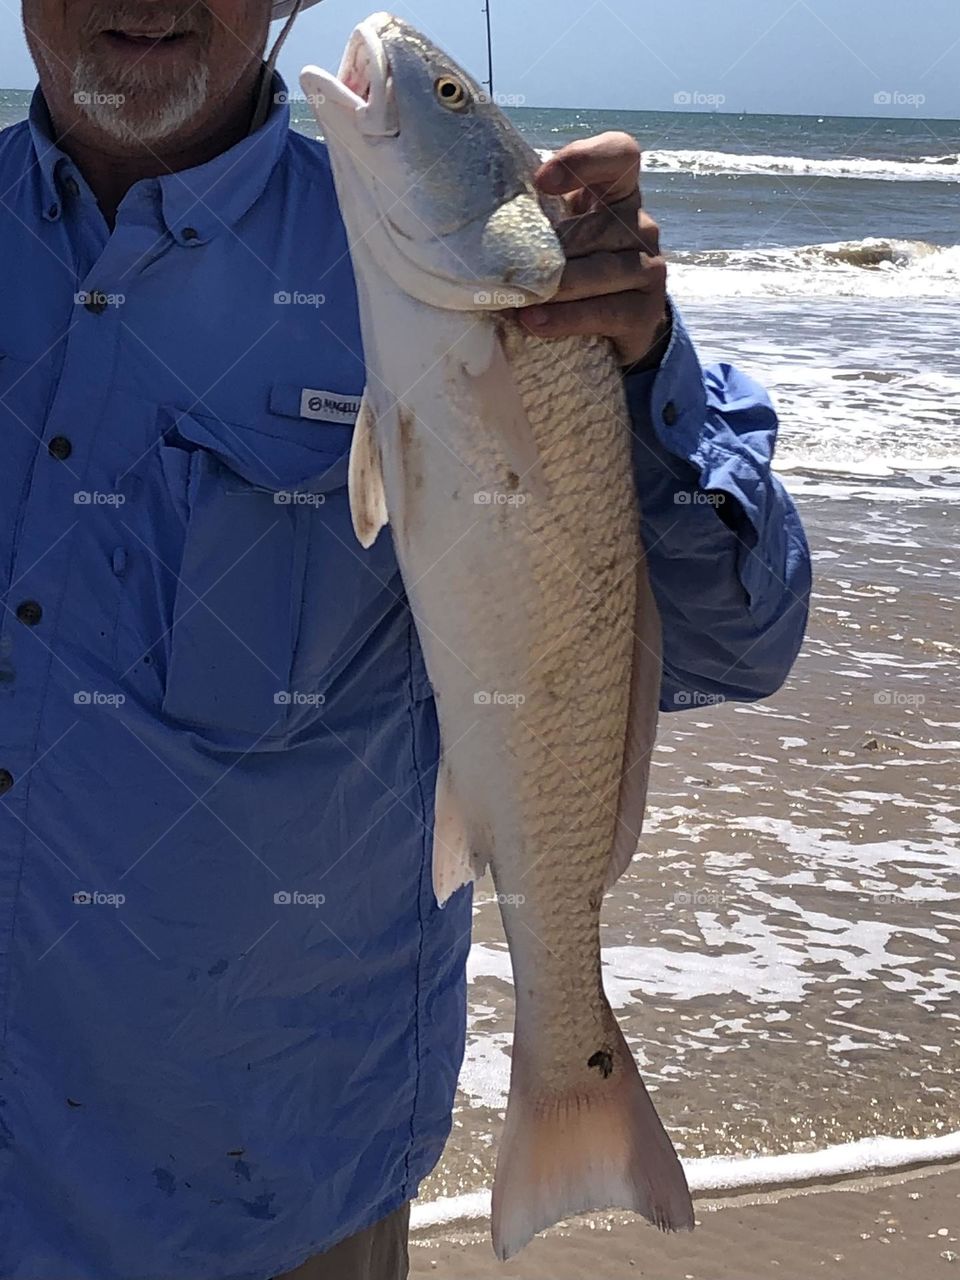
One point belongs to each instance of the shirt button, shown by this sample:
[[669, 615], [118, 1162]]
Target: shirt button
[[29, 612], [670, 414], [60, 448], [53, 212], [190, 233], [6, 780], [71, 187], [96, 302]]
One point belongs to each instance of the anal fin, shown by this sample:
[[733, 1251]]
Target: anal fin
[[641, 728]]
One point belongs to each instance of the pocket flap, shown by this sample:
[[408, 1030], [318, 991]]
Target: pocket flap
[[293, 460]]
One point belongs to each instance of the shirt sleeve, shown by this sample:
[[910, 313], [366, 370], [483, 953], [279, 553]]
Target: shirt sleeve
[[728, 559]]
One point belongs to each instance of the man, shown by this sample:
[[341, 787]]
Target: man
[[232, 1014]]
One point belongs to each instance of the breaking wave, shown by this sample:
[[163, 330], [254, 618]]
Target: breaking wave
[[945, 168], [870, 268]]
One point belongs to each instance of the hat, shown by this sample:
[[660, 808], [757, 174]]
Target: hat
[[283, 8]]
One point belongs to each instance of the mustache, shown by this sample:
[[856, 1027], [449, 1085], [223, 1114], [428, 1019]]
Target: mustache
[[190, 19]]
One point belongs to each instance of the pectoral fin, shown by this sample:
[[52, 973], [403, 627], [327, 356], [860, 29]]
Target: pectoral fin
[[497, 401], [368, 500]]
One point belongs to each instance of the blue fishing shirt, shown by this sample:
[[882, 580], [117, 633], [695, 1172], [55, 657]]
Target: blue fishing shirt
[[231, 1013]]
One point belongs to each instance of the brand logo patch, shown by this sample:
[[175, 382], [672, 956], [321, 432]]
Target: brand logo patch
[[329, 406]]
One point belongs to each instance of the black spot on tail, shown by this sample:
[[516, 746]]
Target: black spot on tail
[[603, 1061]]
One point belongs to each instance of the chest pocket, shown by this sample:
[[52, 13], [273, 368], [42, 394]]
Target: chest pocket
[[274, 595]]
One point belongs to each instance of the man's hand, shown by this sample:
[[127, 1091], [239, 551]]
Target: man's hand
[[615, 285]]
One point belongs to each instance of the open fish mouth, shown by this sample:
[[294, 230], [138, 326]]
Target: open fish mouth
[[363, 87]]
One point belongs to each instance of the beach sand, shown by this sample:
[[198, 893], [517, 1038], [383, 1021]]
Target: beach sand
[[784, 952], [869, 1229]]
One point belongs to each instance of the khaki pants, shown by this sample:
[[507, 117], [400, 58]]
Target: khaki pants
[[379, 1253]]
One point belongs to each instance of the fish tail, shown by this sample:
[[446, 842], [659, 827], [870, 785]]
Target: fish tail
[[572, 1154]]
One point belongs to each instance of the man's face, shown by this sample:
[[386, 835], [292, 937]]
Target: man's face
[[131, 74]]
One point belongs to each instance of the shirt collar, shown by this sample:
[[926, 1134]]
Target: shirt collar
[[197, 203]]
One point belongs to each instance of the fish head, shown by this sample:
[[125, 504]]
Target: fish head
[[435, 184]]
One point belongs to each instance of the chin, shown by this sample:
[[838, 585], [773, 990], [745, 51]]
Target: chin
[[140, 107]]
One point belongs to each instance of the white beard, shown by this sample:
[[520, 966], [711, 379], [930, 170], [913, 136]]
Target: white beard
[[171, 107]]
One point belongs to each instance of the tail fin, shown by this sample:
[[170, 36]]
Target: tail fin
[[601, 1149]]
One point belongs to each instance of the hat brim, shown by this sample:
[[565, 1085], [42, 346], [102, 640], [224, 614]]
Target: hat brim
[[284, 8]]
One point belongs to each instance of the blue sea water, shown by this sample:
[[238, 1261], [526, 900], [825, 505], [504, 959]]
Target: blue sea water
[[823, 253]]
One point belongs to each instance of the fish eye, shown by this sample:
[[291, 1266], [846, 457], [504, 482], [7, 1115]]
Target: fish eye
[[452, 93]]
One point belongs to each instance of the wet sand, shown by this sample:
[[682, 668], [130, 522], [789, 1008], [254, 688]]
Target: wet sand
[[871, 1229], [784, 952]]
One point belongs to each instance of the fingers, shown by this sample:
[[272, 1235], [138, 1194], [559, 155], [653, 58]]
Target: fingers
[[607, 166], [635, 315], [611, 230], [601, 274], [605, 230]]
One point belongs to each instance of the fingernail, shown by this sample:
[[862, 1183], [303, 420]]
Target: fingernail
[[551, 181]]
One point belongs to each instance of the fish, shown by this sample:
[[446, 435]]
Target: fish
[[502, 465]]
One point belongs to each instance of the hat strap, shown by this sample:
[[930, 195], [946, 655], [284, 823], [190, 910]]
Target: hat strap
[[269, 67]]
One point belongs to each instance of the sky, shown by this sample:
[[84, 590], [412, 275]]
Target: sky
[[817, 57]]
